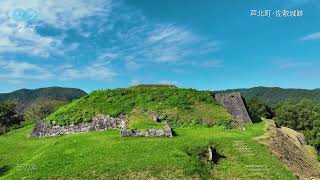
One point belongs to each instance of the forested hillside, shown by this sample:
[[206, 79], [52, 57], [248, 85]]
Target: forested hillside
[[274, 95], [25, 97], [25, 106]]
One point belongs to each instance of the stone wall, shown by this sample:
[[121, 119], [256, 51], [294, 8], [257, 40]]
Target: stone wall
[[99, 123], [234, 104], [166, 132]]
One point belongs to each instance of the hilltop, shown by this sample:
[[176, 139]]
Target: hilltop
[[179, 107]]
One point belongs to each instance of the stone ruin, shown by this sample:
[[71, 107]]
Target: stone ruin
[[166, 131], [235, 105], [99, 123]]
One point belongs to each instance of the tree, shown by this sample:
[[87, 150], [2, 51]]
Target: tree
[[304, 116], [8, 116], [257, 109], [40, 109]]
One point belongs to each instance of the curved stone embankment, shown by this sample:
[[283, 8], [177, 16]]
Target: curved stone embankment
[[99, 123]]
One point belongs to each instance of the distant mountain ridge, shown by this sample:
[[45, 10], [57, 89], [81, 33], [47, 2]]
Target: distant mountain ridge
[[24, 97], [274, 95]]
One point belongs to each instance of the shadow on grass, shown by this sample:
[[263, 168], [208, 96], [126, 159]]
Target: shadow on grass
[[4, 169], [216, 156], [174, 134]]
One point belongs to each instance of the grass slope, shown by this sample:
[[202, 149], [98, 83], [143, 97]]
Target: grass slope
[[180, 107], [105, 155], [141, 120]]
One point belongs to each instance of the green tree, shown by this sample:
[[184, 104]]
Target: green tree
[[41, 109], [304, 116], [257, 109], [8, 116]]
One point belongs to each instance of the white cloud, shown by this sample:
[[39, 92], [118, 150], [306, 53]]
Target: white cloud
[[132, 65], [56, 13], [166, 82], [12, 71], [214, 63], [146, 42], [15, 72], [95, 71], [171, 43], [59, 13], [134, 40], [313, 36], [171, 34], [134, 82]]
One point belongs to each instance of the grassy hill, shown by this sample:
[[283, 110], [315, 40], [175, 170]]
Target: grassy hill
[[105, 155], [180, 107], [25, 97], [274, 95]]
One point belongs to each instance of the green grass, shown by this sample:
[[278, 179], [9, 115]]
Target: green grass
[[105, 155], [140, 120], [179, 107]]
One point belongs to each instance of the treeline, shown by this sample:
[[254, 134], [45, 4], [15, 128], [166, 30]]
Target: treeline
[[11, 117], [304, 116], [272, 96], [23, 98], [301, 115], [25, 106]]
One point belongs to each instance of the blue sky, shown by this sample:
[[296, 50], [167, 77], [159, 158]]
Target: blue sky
[[207, 44]]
